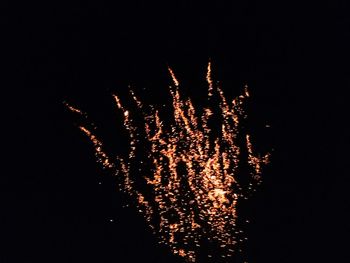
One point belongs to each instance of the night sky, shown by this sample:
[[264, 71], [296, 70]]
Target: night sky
[[58, 205]]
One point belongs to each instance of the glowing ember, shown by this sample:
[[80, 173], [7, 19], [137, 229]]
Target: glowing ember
[[194, 174]]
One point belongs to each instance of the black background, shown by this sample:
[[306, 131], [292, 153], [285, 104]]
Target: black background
[[295, 59]]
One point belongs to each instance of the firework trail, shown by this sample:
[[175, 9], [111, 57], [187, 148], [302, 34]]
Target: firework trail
[[194, 173]]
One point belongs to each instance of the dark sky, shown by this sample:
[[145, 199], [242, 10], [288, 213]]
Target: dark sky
[[295, 59]]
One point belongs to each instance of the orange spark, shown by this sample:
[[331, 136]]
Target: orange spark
[[194, 173]]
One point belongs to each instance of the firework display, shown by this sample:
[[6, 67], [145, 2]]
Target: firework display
[[195, 171]]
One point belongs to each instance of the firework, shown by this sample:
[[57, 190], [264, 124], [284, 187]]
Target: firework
[[193, 169]]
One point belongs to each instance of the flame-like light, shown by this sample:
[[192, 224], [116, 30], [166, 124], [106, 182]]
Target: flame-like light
[[193, 174]]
